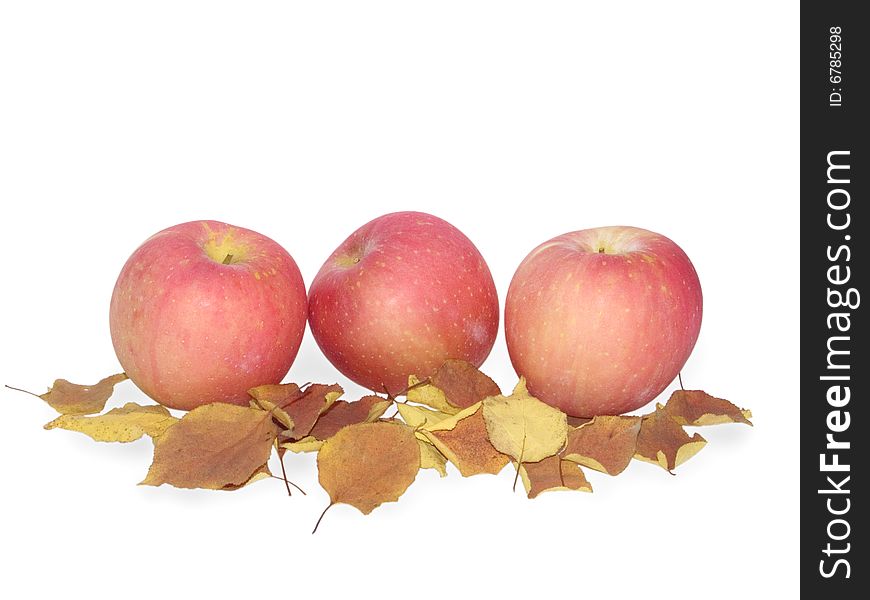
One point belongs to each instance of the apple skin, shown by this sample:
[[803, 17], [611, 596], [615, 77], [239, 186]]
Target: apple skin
[[401, 295], [190, 330], [600, 321]]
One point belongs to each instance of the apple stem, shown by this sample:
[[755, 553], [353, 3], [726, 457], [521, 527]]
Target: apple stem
[[316, 525], [228, 259], [601, 250], [680, 378]]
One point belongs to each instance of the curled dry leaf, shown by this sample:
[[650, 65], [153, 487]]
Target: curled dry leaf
[[367, 464], [605, 443], [523, 427], [694, 407], [462, 438], [74, 399], [215, 446], [551, 474], [125, 424], [662, 441]]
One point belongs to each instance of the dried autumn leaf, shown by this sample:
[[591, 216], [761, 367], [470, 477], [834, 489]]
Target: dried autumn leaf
[[662, 441], [552, 474], [462, 438], [307, 444], [125, 424], [431, 458], [463, 384], [302, 407], [267, 397], [523, 427], [605, 443], [214, 446], [418, 416], [343, 413], [429, 395], [367, 464], [262, 472], [695, 407], [578, 421], [74, 399], [456, 384]]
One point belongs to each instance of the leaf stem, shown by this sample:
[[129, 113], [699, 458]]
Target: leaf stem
[[319, 519], [519, 462], [287, 482], [21, 390]]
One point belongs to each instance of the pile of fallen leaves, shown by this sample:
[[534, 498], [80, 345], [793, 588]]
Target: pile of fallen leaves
[[365, 459]]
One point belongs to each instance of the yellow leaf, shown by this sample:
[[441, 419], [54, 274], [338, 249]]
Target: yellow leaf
[[124, 424], [74, 399], [605, 443], [307, 444], [417, 416], [523, 427], [367, 464], [552, 474], [431, 458], [214, 446]]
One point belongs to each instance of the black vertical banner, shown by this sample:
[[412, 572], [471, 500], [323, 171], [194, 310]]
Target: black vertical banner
[[835, 368]]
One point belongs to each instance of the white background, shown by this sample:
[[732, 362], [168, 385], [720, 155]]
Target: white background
[[515, 122]]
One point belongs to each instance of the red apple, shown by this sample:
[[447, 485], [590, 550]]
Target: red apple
[[203, 311], [401, 295], [600, 321]]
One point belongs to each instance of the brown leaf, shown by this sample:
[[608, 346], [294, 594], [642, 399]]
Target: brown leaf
[[367, 464], [214, 446], [74, 399], [605, 443], [262, 472], [267, 397], [343, 413], [463, 384], [577, 421], [663, 441], [694, 407], [463, 439], [303, 407], [125, 424], [552, 474]]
